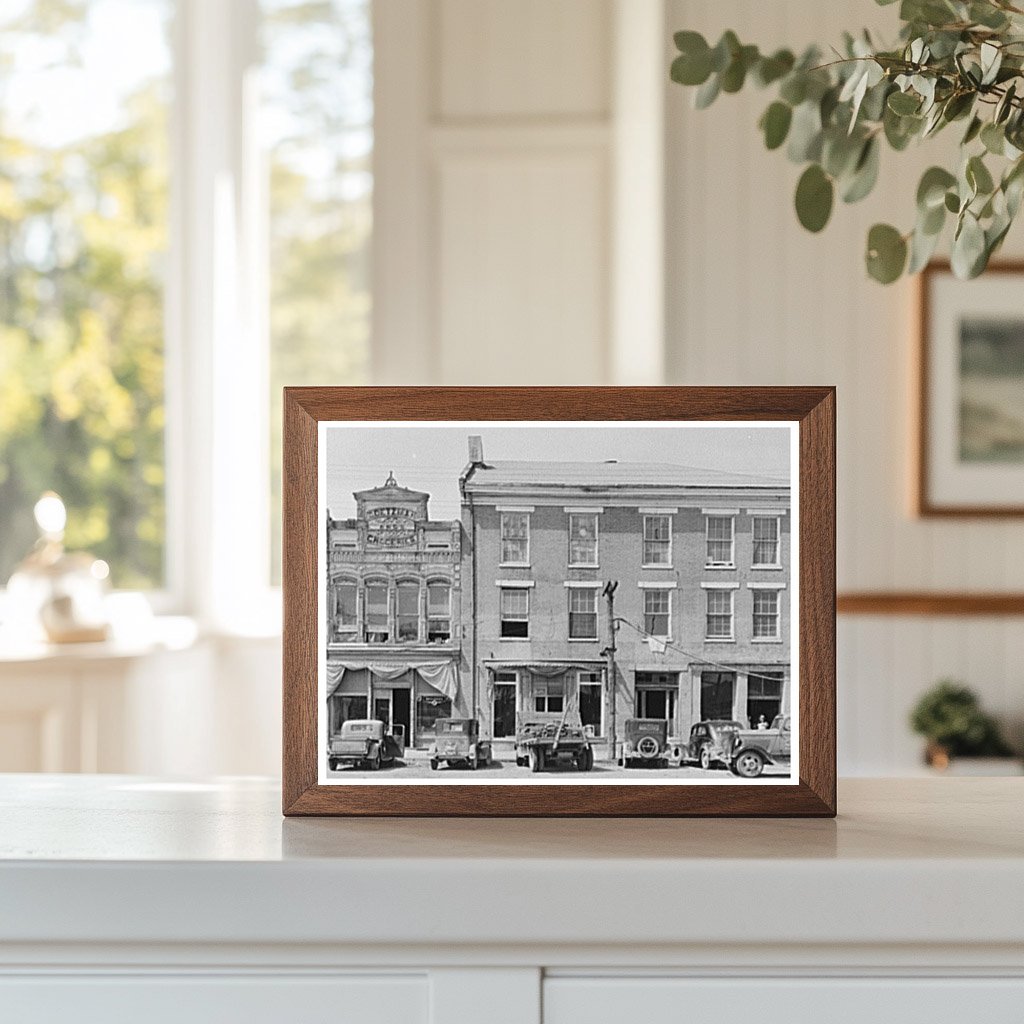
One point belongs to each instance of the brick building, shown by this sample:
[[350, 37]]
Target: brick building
[[699, 560], [393, 610]]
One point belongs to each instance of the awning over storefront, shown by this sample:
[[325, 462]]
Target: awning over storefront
[[543, 668], [442, 675]]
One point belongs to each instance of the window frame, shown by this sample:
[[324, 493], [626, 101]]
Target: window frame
[[777, 564], [598, 683], [710, 563], [504, 589], [721, 639], [644, 563], [431, 618], [667, 591], [593, 591], [595, 562], [502, 560]]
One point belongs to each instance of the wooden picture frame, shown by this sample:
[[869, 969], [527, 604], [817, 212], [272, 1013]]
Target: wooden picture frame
[[937, 481], [810, 410]]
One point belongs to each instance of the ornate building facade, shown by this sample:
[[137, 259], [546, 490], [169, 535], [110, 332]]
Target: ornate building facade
[[624, 590], [394, 613]]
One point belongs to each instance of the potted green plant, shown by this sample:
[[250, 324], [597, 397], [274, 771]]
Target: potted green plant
[[956, 62], [950, 718]]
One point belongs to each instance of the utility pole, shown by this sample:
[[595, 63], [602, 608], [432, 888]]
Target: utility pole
[[609, 652]]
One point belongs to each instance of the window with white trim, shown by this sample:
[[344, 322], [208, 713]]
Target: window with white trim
[[515, 538], [515, 612], [719, 614], [346, 618], [583, 538], [720, 541], [439, 613], [582, 613], [375, 630], [408, 612], [657, 612], [766, 542], [657, 540], [766, 614]]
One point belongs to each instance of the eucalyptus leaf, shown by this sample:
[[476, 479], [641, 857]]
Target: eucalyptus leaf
[[993, 138], [931, 190], [805, 133], [814, 195], [904, 103], [886, 253], [775, 124], [865, 173], [707, 93], [978, 176], [968, 247], [922, 247]]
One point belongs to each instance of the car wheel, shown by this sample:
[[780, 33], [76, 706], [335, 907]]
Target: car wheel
[[471, 764], [586, 761], [375, 762], [534, 759], [705, 758], [433, 764], [749, 764]]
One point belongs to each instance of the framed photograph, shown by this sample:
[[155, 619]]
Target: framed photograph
[[970, 450], [559, 601]]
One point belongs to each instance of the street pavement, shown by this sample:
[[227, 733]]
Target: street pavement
[[416, 765]]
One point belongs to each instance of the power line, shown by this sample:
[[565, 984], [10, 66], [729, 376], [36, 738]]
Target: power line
[[690, 654]]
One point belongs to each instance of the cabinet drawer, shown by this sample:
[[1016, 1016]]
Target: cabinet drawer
[[614, 1000], [202, 999]]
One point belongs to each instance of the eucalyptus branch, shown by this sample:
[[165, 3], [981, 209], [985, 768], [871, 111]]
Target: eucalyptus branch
[[955, 61]]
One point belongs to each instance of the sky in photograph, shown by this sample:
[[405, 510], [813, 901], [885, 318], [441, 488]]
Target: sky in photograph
[[430, 458]]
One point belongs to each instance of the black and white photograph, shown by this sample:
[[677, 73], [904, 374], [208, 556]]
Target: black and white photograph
[[532, 603]]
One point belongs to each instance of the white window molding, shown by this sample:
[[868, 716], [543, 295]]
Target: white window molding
[[780, 585], [767, 510], [584, 509], [710, 585], [657, 584], [513, 508], [657, 510], [524, 584], [720, 511], [583, 584]]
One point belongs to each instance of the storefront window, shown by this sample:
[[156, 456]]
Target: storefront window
[[549, 694], [408, 612], [764, 697], [439, 613], [344, 707], [428, 710], [376, 613], [716, 690]]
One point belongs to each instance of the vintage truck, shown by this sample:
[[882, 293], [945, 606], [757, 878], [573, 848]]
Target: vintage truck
[[458, 744], [544, 739], [365, 743], [646, 742], [754, 748]]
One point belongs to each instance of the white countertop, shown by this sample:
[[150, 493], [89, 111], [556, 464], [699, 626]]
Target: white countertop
[[122, 859]]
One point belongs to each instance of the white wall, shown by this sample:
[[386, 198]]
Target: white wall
[[754, 299]]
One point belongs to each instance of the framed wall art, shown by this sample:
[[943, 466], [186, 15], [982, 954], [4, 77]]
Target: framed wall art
[[970, 444], [559, 601]]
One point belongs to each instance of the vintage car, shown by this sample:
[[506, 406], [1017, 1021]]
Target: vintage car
[[754, 748], [647, 743], [365, 743], [711, 742], [458, 744], [544, 739]]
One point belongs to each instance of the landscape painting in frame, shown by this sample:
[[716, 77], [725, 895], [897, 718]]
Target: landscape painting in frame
[[972, 393], [558, 603]]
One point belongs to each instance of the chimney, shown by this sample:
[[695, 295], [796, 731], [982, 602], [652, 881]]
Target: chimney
[[476, 449]]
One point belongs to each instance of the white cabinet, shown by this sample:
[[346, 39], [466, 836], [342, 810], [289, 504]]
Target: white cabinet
[[130, 898], [829, 1000]]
